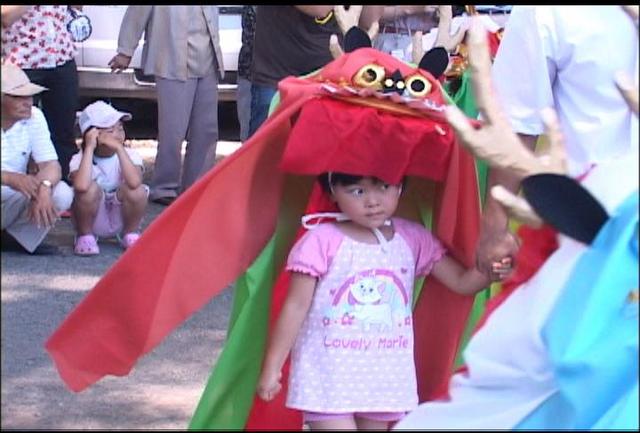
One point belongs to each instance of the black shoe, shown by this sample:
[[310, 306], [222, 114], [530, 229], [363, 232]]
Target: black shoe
[[165, 201], [46, 250], [10, 244]]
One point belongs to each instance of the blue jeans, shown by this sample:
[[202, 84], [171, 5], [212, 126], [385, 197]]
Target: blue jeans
[[243, 104], [260, 100]]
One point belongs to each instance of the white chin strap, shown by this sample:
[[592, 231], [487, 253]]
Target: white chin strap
[[339, 216]]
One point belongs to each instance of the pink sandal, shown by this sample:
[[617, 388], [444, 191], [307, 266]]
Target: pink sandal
[[129, 239], [86, 245]]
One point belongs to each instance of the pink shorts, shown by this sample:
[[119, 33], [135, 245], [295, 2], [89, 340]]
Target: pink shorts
[[375, 416], [108, 222]]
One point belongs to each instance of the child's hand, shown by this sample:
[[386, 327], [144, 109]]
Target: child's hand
[[91, 139], [108, 140], [500, 269], [269, 385]]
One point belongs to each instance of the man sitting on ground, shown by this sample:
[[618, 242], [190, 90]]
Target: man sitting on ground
[[31, 203]]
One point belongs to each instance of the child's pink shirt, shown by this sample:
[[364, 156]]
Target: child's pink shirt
[[354, 351]]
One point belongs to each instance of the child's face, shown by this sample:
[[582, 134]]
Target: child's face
[[368, 202], [108, 138]]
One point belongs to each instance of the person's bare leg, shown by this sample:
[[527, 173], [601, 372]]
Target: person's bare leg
[[134, 204], [370, 424], [346, 423], [84, 209]]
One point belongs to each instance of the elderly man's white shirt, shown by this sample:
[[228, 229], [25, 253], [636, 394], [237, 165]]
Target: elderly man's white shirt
[[26, 137]]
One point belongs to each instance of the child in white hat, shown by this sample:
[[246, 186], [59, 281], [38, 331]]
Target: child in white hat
[[110, 198]]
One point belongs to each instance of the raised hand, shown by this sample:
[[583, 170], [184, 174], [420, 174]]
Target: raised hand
[[347, 19], [108, 140], [91, 139], [445, 38]]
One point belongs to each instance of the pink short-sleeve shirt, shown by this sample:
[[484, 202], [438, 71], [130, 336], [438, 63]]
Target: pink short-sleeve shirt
[[354, 352]]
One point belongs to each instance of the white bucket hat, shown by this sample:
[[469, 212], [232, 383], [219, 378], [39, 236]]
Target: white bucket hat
[[101, 115]]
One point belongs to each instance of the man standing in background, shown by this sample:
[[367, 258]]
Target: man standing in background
[[245, 58], [182, 50], [289, 40]]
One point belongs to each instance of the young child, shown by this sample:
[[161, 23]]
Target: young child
[[347, 317], [110, 198]]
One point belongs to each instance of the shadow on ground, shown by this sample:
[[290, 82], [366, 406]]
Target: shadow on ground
[[38, 292]]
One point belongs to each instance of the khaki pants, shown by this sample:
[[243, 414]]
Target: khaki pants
[[16, 221]]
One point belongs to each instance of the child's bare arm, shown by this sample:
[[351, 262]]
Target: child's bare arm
[[131, 173], [293, 313], [82, 177], [468, 281]]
